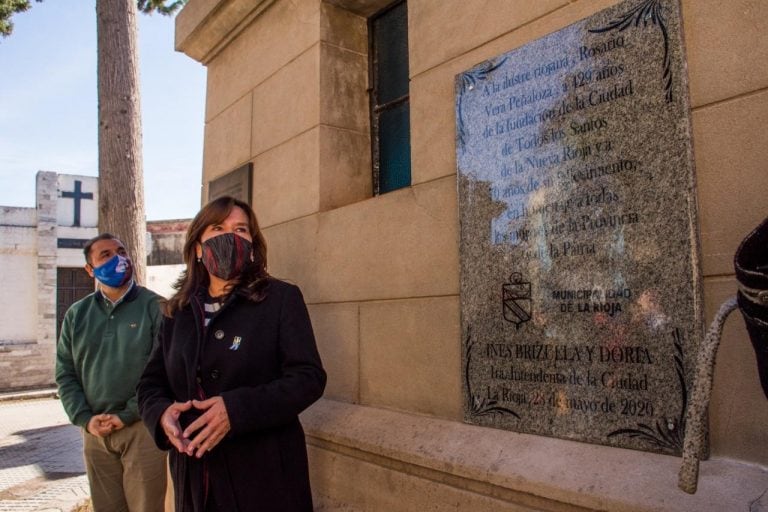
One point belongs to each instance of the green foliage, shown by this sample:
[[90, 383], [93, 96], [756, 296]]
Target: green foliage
[[10, 7], [7, 9], [165, 7]]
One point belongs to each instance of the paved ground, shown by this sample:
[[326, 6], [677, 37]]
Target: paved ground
[[41, 466]]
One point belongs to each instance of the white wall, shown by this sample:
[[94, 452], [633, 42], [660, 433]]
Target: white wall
[[161, 277], [18, 275]]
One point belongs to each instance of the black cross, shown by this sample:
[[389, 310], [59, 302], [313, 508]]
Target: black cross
[[77, 195]]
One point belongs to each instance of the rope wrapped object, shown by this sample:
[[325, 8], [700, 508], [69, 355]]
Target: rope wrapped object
[[695, 421]]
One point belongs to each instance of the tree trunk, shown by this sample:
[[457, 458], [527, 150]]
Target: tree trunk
[[121, 178]]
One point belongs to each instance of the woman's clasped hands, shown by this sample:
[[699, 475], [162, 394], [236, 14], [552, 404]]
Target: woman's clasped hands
[[204, 433]]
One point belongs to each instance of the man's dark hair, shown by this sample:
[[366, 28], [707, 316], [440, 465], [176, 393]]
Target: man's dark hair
[[89, 244]]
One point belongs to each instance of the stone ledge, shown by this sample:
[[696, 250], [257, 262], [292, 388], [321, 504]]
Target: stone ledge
[[205, 27], [35, 393], [16, 343], [546, 470]]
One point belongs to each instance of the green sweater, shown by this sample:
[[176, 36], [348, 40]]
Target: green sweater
[[101, 354]]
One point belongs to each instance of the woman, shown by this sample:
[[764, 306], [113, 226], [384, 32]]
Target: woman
[[234, 365]]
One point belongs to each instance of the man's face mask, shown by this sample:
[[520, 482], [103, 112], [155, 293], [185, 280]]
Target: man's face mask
[[115, 272], [225, 256]]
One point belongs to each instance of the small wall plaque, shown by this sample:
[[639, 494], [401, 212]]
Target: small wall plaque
[[237, 183]]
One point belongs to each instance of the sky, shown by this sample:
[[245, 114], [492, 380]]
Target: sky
[[48, 107]]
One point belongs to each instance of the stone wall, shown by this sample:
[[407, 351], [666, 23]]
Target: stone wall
[[167, 241], [17, 264], [20, 356], [28, 254]]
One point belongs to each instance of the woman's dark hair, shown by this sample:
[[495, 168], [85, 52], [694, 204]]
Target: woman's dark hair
[[252, 281]]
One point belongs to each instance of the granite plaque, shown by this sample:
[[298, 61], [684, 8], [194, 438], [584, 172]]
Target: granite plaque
[[580, 286], [237, 183]]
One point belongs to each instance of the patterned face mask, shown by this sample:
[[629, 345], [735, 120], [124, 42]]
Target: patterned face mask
[[225, 256], [115, 272]]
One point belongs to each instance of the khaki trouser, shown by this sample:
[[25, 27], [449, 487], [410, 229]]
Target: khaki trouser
[[126, 471]]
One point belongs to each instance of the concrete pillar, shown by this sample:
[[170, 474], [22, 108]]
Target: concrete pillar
[[47, 192]]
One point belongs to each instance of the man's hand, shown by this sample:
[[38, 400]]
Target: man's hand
[[170, 423], [101, 425], [115, 421], [211, 426]]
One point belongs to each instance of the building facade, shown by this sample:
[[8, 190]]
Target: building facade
[[288, 94], [41, 268]]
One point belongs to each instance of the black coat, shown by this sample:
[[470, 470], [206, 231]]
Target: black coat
[[262, 360]]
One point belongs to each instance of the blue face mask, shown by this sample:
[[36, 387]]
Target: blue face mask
[[115, 272]]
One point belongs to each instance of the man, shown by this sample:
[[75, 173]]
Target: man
[[104, 344]]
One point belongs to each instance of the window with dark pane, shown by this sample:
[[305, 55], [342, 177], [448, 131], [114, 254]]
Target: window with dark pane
[[72, 284], [390, 108]]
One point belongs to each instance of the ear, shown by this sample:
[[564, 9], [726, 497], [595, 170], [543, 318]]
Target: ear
[[88, 268], [198, 250]]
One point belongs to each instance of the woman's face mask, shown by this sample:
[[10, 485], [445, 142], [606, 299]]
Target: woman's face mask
[[115, 272], [226, 255]]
